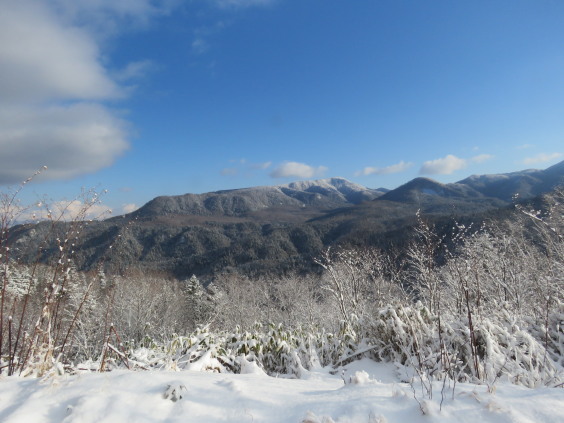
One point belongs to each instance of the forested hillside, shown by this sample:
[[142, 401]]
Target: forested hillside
[[275, 230]]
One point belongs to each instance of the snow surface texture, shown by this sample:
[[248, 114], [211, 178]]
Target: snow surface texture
[[364, 391]]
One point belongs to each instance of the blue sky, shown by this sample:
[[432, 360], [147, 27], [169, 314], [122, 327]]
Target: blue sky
[[164, 97]]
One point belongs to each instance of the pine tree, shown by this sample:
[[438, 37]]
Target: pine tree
[[198, 302]]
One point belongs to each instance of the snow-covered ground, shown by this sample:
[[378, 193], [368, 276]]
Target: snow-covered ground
[[373, 393]]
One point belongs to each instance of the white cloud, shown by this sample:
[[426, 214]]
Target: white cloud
[[199, 46], [243, 3], [135, 70], [395, 168], [129, 208], [443, 166], [229, 171], [40, 59], [242, 166], [542, 158], [524, 146], [260, 166], [238, 161], [297, 170], [481, 158], [76, 209], [106, 17], [66, 211], [52, 83], [202, 35], [72, 140], [450, 164]]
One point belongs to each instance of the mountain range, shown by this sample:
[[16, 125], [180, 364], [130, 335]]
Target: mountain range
[[317, 195], [278, 228]]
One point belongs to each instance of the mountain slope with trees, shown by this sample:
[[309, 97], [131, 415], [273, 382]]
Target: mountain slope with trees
[[278, 229]]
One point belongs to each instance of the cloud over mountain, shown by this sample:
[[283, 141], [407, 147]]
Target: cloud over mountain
[[442, 166], [481, 158], [542, 158], [242, 166], [395, 168], [297, 170], [449, 164]]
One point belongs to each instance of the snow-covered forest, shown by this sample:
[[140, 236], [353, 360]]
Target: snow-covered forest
[[476, 311]]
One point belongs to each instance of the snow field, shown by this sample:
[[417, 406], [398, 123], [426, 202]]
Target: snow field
[[372, 393]]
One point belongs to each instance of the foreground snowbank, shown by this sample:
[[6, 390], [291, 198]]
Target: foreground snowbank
[[372, 393]]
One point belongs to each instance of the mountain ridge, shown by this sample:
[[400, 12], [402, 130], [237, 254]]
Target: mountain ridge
[[277, 229], [323, 194], [526, 183], [320, 194]]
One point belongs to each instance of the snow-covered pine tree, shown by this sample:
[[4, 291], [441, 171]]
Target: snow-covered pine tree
[[199, 307]]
